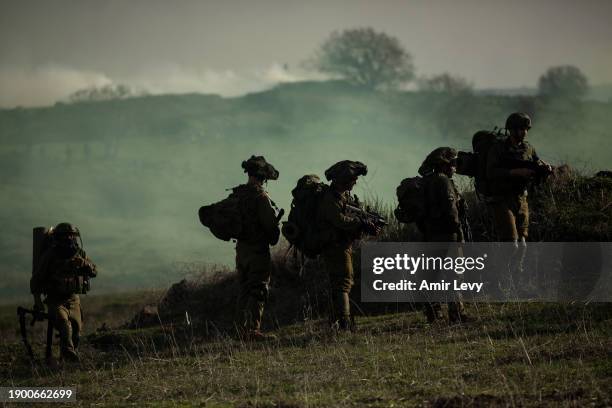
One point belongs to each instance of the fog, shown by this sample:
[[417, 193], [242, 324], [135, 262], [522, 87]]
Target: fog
[[131, 174]]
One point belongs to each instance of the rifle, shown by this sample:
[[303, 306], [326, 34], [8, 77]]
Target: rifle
[[541, 170], [36, 316], [366, 216], [280, 214], [279, 211]]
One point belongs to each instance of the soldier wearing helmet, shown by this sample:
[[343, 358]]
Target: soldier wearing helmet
[[511, 166], [442, 222], [509, 180], [253, 261], [340, 230], [62, 274]]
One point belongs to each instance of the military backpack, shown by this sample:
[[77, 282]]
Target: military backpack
[[224, 218], [474, 164], [301, 228], [411, 199]]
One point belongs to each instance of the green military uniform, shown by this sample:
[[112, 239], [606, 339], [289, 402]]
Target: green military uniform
[[442, 221], [508, 194], [444, 204], [260, 230], [62, 278], [510, 166], [338, 230], [341, 230]]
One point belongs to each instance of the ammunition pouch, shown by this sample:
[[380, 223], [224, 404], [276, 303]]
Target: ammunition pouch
[[69, 285]]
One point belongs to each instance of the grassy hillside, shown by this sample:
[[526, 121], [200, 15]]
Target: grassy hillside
[[514, 355], [132, 173]]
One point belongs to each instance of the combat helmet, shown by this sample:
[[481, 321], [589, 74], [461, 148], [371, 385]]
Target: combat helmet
[[64, 238], [439, 156], [64, 229], [257, 166], [518, 120], [346, 170]]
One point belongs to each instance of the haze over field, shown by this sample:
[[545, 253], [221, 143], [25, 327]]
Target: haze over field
[[132, 172]]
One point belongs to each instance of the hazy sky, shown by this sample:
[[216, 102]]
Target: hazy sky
[[49, 49]]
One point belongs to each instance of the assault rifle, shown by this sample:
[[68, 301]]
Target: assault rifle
[[366, 216], [541, 171]]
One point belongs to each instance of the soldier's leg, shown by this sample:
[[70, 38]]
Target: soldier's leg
[[432, 311], [76, 321], [257, 271], [243, 292], [456, 312], [504, 221], [522, 218], [255, 305], [521, 211], [61, 320], [339, 265], [347, 286]]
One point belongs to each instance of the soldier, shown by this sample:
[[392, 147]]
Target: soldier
[[508, 179], [62, 274], [340, 230], [511, 165], [260, 230], [442, 223]]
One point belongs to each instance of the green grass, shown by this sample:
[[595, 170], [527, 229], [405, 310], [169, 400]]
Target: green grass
[[513, 355]]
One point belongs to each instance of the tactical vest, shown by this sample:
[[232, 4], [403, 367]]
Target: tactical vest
[[67, 276]]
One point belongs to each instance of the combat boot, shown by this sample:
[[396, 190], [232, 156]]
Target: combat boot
[[347, 324], [70, 356], [433, 312], [460, 318]]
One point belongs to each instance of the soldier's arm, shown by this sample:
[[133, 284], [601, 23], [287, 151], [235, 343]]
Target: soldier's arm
[[445, 196], [267, 219], [332, 212], [88, 265]]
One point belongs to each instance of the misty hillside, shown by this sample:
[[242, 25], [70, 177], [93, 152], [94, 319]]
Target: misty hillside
[[596, 93], [132, 173]]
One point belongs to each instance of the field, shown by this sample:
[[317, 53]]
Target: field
[[185, 352], [512, 355]]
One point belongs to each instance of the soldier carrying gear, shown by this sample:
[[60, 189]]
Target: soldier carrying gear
[[509, 179], [512, 164], [260, 231], [442, 222], [340, 230], [63, 272]]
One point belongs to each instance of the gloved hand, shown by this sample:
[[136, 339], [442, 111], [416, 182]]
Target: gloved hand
[[371, 228]]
